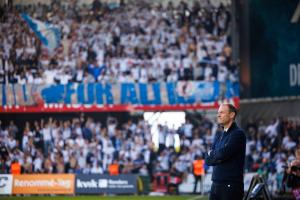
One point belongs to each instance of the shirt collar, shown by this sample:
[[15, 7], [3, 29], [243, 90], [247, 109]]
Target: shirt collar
[[232, 125]]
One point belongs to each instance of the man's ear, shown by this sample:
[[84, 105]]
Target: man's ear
[[232, 115]]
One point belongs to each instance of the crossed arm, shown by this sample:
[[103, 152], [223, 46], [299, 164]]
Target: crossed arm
[[218, 155]]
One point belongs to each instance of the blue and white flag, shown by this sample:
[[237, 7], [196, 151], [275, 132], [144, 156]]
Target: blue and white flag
[[47, 33]]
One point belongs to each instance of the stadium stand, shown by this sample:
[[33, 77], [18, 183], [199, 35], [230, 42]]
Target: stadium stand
[[139, 42], [135, 42], [83, 146]]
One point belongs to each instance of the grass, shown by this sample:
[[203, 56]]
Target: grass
[[181, 197]]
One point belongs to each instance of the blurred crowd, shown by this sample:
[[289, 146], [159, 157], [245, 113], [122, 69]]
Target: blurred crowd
[[271, 147], [83, 145], [139, 41]]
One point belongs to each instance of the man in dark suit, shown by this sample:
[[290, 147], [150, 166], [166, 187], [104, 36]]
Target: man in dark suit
[[227, 157]]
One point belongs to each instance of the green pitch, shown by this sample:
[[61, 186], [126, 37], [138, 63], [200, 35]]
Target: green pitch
[[183, 197]]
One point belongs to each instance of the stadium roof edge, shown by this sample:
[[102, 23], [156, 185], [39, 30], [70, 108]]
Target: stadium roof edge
[[269, 99]]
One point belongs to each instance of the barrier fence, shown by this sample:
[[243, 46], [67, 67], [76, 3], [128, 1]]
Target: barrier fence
[[70, 184], [117, 97]]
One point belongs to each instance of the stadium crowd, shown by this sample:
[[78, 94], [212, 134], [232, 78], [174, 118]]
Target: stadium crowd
[[83, 145], [271, 147], [139, 41]]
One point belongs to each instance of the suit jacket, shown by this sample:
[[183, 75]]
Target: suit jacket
[[228, 156]]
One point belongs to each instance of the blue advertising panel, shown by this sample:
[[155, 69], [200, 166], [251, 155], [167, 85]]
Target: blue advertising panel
[[274, 48], [105, 184]]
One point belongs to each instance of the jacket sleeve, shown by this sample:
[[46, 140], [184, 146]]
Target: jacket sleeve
[[236, 142], [207, 154]]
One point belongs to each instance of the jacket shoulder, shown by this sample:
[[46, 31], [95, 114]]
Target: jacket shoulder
[[240, 132]]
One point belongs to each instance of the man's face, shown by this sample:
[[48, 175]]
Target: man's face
[[296, 165], [224, 116]]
